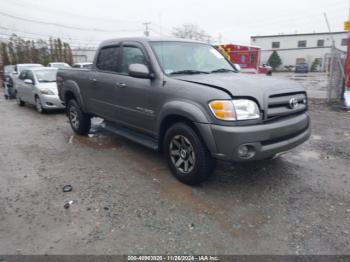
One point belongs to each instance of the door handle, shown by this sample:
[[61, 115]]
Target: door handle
[[120, 84], [94, 80]]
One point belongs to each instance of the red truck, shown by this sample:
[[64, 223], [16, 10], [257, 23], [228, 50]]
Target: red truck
[[248, 57]]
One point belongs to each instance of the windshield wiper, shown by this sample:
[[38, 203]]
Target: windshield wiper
[[189, 72], [223, 70]]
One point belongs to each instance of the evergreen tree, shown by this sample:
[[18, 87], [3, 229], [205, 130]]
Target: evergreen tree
[[12, 53], [4, 54], [315, 65], [59, 50], [18, 50], [275, 60]]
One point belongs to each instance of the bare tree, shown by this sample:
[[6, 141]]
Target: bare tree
[[191, 31]]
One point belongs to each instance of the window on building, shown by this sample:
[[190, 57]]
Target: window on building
[[320, 43], [344, 42], [252, 58], [302, 43], [275, 44]]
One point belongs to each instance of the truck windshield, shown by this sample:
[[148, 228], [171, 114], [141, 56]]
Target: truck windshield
[[190, 58]]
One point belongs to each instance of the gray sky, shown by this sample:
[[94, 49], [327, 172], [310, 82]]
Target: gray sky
[[236, 21]]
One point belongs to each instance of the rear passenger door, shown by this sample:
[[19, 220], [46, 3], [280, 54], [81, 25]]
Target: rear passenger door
[[101, 90]]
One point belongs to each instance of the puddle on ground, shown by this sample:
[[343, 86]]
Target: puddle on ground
[[97, 138], [97, 141]]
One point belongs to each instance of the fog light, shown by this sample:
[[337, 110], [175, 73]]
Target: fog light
[[243, 151], [246, 151]]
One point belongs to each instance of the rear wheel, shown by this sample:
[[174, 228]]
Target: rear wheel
[[79, 121], [186, 154]]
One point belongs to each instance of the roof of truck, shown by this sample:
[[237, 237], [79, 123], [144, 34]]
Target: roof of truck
[[146, 39]]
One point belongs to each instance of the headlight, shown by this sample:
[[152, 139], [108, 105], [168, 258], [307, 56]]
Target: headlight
[[46, 92], [231, 110]]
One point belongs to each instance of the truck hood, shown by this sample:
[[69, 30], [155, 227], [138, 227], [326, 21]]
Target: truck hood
[[242, 85]]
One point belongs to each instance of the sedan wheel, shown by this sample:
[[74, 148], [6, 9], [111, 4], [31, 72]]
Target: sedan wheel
[[38, 105], [19, 101]]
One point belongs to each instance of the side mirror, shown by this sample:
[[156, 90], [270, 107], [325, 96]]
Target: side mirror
[[139, 71], [28, 81], [238, 67]]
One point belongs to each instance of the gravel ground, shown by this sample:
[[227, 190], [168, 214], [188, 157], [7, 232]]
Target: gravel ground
[[125, 200]]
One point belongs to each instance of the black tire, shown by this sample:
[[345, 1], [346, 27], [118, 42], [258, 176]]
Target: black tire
[[19, 101], [200, 164], [39, 106], [79, 121]]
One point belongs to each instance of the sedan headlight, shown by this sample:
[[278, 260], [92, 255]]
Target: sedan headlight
[[46, 92], [232, 110]]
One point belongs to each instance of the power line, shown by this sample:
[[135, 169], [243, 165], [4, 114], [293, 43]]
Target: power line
[[66, 26], [48, 36], [8, 36], [37, 7]]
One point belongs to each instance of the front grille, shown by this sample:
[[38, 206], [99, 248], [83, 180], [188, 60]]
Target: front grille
[[279, 105]]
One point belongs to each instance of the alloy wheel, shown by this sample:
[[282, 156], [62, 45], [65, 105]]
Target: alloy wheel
[[182, 154], [38, 105], [73, 117]]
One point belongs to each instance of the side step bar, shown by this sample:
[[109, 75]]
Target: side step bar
[[131, 135]]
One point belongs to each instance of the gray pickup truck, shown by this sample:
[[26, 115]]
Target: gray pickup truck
[[186, 100]]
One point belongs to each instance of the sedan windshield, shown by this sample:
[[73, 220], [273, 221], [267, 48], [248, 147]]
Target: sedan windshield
[[46, 76], [190, 58], [61, 66]]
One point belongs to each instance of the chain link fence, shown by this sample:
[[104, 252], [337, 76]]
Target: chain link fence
[[335, 69]]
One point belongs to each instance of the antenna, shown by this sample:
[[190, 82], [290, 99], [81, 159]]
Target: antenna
[[146, 24]]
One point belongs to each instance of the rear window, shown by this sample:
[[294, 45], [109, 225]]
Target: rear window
[[108, 59]]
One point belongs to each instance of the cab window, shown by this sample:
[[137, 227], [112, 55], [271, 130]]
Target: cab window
[[132, 55], [108, 59], [23, 75]]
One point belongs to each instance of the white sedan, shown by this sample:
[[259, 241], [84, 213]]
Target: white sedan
[[37, 86]]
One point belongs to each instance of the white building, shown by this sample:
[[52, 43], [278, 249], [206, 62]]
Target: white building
[[83, 54], [293, 48]]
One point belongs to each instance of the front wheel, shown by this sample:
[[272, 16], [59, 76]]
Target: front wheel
[[187, 156], [19, 101], [79, 121], [39, 106]]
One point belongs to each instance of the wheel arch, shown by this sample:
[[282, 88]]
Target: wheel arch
[[190, 115], [72, 91]]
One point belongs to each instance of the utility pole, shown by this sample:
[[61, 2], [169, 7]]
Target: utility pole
[[146, 24]]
